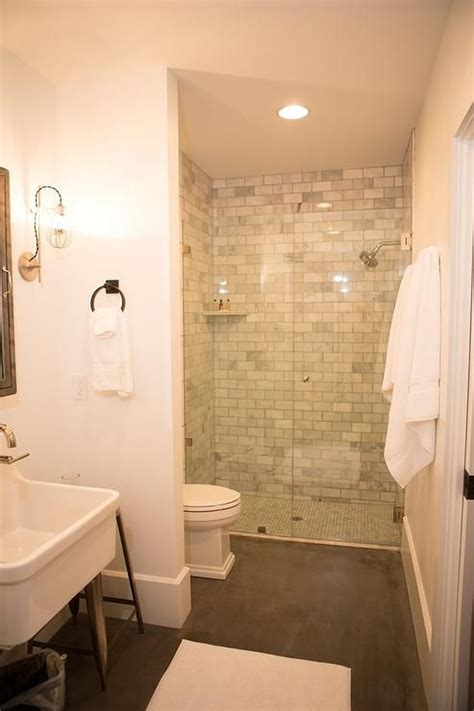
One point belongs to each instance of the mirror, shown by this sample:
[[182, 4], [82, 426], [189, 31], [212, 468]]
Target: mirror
[[7, 342]]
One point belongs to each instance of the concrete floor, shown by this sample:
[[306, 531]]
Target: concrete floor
[[332, 604]]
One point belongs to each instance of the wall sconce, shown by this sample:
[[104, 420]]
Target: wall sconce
[[29, 264]]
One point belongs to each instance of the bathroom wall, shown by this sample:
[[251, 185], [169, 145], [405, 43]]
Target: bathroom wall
[[315, 311], [110, 144], [196, 212], [449, 95]]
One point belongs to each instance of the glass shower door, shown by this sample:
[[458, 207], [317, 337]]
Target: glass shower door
[[254, 366], [342, 488]]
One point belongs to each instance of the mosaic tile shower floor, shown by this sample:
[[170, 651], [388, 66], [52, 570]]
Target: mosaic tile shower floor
[[370, 523]]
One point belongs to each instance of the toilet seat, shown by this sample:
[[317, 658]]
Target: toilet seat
[[203, 498]]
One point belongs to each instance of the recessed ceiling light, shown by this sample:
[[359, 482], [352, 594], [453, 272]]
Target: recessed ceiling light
[[293, 112], [324, 205]]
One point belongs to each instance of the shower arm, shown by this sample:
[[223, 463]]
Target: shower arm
[[384, 243]]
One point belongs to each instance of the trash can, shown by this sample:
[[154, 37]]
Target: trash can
[[34, 683]]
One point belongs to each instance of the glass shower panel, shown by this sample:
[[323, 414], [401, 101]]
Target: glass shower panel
[[253, 255], [342, 488]]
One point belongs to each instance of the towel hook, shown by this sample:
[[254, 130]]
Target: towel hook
[[111, 286]]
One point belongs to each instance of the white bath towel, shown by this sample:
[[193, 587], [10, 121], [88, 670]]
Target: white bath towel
[[110, 352], [411, 379]]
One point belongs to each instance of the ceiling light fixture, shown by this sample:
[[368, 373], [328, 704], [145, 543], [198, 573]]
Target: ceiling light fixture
[[293, 112]]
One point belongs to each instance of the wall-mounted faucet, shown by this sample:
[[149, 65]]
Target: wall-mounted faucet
[[9, 435], [11, 442]]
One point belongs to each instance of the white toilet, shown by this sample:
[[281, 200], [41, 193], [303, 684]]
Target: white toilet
[[208, 510]]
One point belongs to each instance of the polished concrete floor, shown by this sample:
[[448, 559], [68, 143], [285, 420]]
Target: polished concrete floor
[[332, 604]]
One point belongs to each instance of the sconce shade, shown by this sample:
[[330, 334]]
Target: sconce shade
[[58, 235]]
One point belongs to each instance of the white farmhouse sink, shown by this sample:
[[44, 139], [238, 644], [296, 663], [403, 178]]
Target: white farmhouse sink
[[54, 539]]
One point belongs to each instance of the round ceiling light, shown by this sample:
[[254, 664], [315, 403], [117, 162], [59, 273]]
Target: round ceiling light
[[293, 112]]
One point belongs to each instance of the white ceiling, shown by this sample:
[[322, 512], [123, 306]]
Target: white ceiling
[[362, 67]]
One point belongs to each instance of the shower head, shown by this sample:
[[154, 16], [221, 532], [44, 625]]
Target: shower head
[[368, 259]]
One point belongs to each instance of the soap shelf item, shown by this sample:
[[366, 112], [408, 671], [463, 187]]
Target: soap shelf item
[[224, 312], [111, 286]]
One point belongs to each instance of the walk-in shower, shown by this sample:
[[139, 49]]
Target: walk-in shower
[[283, 390]]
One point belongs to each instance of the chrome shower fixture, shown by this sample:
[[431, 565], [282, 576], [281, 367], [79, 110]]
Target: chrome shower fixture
[[368, 258]]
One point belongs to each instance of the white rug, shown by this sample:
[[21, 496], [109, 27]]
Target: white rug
[[203, 677]]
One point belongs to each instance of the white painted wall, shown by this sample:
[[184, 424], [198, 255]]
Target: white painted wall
[[111, 145], [448, 98]]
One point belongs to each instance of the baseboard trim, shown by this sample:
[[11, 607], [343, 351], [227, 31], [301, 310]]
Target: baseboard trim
[[164, 601], [418, 603]]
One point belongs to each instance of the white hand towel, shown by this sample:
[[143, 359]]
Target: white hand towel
[[411, 378], [105, 321], [110, 352]]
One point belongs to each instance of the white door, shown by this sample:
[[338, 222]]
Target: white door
[[449, 682], [465, 662]]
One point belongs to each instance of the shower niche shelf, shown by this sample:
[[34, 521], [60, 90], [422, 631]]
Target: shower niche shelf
[[214, 313]]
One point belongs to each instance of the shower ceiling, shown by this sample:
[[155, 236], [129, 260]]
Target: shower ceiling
[[229, 126], [361, 66]]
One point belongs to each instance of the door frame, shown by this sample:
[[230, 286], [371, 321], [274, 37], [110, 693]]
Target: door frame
[[446, 622]]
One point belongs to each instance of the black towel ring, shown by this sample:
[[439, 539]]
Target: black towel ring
[[110, 288]]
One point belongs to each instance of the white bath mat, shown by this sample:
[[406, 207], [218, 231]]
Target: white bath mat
[[203, 677]]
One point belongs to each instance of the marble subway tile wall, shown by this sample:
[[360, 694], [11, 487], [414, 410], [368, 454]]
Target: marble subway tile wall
[[196, 210], [298, 408]]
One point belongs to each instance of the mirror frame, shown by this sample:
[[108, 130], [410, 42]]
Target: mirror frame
[[8, 382]]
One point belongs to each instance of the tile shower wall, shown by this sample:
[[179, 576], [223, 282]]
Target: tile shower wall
[[196, 208], [298, 408]]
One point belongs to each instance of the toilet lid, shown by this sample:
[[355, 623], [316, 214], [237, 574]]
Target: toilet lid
[[207, 497]]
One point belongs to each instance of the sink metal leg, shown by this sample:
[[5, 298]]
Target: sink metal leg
[[95, 609], [74, 608], [131, 579]]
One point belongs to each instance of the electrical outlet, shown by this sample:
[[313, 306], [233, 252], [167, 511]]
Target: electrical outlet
[[71, 478], [79, 387]]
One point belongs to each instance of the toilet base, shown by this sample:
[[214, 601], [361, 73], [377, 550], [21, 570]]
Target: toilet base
[[212, 571], [208, 553]]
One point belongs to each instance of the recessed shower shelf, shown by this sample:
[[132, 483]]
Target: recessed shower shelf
[[219, 314]]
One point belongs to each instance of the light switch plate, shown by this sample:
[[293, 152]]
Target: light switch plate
[[79, 387]]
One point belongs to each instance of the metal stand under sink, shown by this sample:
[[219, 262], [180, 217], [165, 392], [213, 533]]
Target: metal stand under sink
[[95, 610]]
